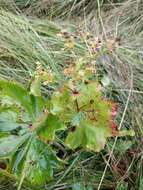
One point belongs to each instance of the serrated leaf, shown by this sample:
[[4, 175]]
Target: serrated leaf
[[6, 126], [17, 93], [62, 104], [47, 126], [89, 137], [89, 92], [10, 144], [6, 100], [77, 119], [33, 105], [18, 158], [37, 164], [59, 100], [96, 137], [40, 163], [9, 113], [38, 104], [76, 139], [29, 156]]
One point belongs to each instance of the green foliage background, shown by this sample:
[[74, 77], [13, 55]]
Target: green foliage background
[[29, 34]]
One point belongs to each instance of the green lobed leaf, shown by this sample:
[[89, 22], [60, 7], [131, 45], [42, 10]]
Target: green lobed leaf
[[40, 162], [9, 113], [37, 162], [88, 136], [6, 126], [38, 104], [17, 93], [33, 105], [29, 156], [47, 126], [10, 144], [62, 104]]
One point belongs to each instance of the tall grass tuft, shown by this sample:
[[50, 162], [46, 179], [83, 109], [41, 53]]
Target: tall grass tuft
[[27, 40], [23, 42]]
